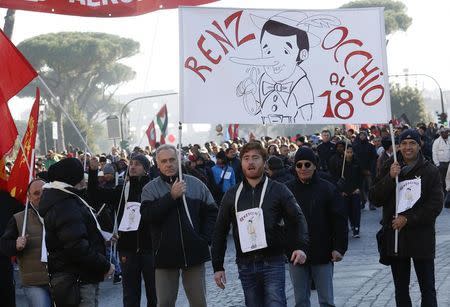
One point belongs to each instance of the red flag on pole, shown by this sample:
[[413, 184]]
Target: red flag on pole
[[151, 134], [20, 174], [163, 121], [15, 74], [97, 8]]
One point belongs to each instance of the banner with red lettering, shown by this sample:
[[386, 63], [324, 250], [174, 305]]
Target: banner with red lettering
[[97, 8], [288, 67]]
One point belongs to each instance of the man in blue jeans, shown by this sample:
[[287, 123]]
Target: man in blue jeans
[[327, 227], [257, 208]]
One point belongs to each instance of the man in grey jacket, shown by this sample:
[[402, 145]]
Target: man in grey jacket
[[182, 216]]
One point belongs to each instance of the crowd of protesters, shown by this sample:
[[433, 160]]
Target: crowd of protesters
[[127, 216]]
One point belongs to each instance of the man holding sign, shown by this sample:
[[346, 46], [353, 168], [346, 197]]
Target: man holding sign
[[258, 208], [420, 202]]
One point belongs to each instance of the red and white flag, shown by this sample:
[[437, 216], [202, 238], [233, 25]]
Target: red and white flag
[[151, 134]]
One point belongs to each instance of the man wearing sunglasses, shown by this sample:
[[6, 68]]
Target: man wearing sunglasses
[[327, 227], [257, 209]]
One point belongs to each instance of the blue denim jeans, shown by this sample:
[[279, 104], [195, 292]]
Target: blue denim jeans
[[301, 276], [263, 282], [114, 260], [38, 296]]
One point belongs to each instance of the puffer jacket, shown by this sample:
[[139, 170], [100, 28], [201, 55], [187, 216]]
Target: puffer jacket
[[417, 239], [279, 204], [74, 243], [177, 243]]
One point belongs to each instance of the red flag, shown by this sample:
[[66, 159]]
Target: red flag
[[18, 180], [97, 8], [3, 176], [236, 131], [15, 74], [151, 134]]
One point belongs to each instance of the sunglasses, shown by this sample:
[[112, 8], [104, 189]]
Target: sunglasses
[[301, 164]]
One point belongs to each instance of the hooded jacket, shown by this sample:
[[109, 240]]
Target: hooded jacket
[[74, 243]]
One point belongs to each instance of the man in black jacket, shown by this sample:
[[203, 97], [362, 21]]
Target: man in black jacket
[[8, 207], [261, 207], [75, 245], [135, 250], [416, 225], [327, 226], [181, 215]]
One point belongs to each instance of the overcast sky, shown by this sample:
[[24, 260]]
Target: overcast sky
[[424, 48]]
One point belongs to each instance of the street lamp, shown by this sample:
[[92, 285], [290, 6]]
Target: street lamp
[[435, 81], [133, 100]]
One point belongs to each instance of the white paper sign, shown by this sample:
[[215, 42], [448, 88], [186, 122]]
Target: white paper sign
[[408, 194], [289, 67], [252, 234], [131, 217], [44, 252]]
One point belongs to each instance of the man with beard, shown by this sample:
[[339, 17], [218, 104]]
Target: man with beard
[[416, 225], [135, 251], [257, 209]]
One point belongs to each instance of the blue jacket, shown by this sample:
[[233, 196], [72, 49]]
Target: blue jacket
[[229, 178]]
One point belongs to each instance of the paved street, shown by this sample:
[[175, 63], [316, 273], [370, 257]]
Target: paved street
[[359, 279]]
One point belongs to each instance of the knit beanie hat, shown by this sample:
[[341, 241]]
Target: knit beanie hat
[[305, 153], [143, 160], [69, 170], [410, 134], [275, 163], [109, 169]]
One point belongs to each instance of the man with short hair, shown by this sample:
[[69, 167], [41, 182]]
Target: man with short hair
[[181, 215], [135, 251], [257, 208], [30, 252], [325, 150], [276, 170], [415, 225], [327, 227]]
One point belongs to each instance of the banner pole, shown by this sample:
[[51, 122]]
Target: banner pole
[[345, 155], [394, 151], [30, 177], [64, 111]]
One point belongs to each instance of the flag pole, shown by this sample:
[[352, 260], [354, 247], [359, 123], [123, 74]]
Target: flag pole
[[343, 162], [30, 177], [394, 151], [64, 111]]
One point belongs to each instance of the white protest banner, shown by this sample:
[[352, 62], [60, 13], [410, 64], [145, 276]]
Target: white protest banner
[[290, 67], [409, 192]]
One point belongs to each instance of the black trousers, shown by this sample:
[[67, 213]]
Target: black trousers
[[7, 291], [443, 166], [134, 268], [401, 272]]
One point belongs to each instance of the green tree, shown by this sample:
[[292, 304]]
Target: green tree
[[408, 100], [395, 16], [84, 72]]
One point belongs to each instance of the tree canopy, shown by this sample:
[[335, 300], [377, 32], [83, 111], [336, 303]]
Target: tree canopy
[[395, 16], [83, 70], [407, 100]]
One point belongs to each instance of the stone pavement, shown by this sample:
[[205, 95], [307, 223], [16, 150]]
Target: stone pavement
[[359, 280]]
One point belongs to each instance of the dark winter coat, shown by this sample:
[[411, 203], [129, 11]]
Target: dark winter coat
[[282, 175], [74, 243], [417, 239], [325, 152], [135, 241], [326, 216], [176, 243], [279, 204]]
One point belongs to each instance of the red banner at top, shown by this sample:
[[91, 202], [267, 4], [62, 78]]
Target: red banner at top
[[98, 8]]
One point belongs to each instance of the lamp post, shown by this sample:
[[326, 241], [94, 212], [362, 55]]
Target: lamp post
[[435, 81], [133, 100]]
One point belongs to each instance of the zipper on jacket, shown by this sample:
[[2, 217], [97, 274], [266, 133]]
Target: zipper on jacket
[[182, 241]]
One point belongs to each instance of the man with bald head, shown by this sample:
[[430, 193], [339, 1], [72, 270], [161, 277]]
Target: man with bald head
[[29, 249]]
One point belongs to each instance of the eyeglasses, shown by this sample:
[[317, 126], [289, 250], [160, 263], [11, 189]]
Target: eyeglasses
[[301, 164]]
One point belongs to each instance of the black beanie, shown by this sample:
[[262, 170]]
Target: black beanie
[[143, 160], [69, 170], [305, 153], [275, 163]]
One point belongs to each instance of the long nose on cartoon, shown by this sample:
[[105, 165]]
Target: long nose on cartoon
[[255, 62]]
